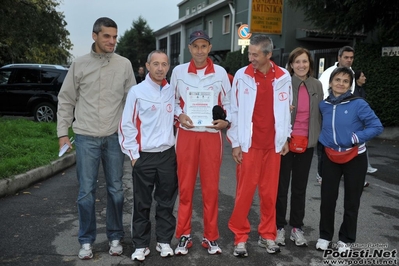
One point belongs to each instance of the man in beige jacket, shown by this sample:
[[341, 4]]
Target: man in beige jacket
[[91, 99]]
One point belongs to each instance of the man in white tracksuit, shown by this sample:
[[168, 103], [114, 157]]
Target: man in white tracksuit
[[199, 147], [146, 136], [260, 128]]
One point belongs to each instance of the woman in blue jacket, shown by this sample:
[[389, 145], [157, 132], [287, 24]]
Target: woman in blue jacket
[[348, 122]]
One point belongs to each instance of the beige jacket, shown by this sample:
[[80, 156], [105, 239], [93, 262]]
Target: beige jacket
[[94, 93]]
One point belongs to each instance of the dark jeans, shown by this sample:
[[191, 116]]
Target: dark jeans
[[159, 170], [296, 165], [354, 173]]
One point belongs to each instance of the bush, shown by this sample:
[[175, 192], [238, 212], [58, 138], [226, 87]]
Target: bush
[[382, 84], [235, 60]]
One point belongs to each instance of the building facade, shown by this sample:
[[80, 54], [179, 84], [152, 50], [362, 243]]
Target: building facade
[[221, 19]]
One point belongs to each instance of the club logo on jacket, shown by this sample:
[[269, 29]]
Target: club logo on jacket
[[210, 88], [169, 108], [153, 108], [246, 91], [282, 96]]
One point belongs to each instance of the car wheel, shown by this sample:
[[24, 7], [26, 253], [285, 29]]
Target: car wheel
[[44, 112]]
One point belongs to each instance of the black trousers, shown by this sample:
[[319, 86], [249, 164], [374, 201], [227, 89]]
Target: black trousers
[[320, 151], [154, 170], [297, 166], [354, 173]]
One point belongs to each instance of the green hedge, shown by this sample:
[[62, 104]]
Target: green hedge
[[235, 60], [382, 85]]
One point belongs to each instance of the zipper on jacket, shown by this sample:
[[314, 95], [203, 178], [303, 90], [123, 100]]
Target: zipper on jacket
[[333, 125]]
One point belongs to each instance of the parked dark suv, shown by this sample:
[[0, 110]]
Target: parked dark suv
[[31, 89]]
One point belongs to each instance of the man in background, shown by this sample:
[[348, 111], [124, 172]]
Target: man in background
[[140, 75]]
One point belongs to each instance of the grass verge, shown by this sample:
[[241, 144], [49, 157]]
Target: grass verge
[[26, 145]]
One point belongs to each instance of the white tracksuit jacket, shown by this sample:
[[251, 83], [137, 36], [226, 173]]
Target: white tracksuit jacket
[[147, 119], [185, 78], [243, 96]]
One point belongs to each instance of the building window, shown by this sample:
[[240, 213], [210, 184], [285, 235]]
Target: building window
[[199, 6], [210, 29], [175, 49], [226, 24], [193, 9], [187, 11], [163, 44]]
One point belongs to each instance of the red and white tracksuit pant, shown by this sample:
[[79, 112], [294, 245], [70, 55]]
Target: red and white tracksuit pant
[[259, 168], [201, 150]]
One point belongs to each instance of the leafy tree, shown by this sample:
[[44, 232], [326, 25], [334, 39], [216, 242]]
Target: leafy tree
[[137, 43], [33, 31], [351, 16]]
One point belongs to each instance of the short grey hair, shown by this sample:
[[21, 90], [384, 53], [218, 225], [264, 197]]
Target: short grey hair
[[263, 40], [156, 52]]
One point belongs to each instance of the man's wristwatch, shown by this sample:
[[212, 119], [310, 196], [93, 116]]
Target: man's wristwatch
[[228, 123]]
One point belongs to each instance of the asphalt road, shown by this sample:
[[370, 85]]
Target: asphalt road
[[39, 225]]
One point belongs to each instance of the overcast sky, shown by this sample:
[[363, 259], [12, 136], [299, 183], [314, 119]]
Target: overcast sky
[[81, 15]]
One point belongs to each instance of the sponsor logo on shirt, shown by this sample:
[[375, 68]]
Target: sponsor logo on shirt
[[169, 108], [282, 96]]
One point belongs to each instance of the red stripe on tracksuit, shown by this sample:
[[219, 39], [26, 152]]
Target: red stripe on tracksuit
[[201, 150]]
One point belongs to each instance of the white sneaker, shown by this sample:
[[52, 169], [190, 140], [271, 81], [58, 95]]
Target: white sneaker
[[85, 253], [371, 170], [212, 246], [164, 249], [280, 238], [298, 238], [322, 244], [115, 248], [342, 247], [185, 243], [240, 250], [270, 246], [140, 254]]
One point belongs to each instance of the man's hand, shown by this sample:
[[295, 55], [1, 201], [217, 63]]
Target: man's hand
[[219, 124], [64, 140], [134, 162], [285, 149], [237, 155], [185, 121]]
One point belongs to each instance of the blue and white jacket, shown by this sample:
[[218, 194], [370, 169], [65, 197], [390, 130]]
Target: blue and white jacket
[[348, 122]]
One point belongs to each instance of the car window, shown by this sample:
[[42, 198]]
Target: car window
[[4, 76], [48, 76], [27, 76]]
